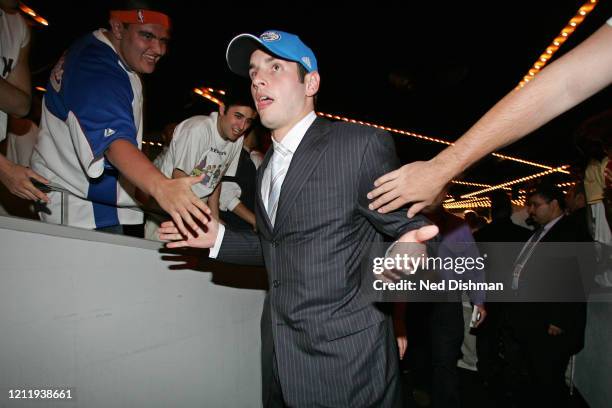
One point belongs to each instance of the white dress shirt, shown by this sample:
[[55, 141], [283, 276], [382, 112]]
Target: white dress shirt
[[528, 248], [547, 228]]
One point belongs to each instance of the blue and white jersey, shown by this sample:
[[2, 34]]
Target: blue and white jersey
[[92, 100]]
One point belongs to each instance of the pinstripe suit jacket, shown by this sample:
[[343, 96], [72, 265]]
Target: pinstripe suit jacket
[[332, 347]]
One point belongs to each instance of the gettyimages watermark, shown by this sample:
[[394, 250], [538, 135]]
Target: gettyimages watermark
[[554, 272]]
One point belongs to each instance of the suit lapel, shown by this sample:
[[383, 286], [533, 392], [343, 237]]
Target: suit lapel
[[555, 233], [263, 214], [303, 163]]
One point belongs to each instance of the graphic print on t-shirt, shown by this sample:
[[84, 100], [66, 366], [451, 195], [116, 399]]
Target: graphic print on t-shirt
[[213, 166]]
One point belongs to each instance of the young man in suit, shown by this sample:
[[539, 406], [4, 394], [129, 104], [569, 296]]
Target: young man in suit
[[323, 343]]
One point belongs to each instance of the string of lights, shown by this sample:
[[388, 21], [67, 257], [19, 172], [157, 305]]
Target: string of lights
[[206, 93], [568, 30], [483, 202], [35, 16], [513, 182], [467, 183], [479, 204]]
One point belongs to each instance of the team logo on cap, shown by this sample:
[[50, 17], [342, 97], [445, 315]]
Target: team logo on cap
[[140, 16], [270, 36], [306, 61]]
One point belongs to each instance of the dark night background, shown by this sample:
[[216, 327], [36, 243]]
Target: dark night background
[[429, 67]]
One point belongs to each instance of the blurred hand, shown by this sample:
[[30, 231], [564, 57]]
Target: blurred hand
[[483, 315], [204, 237], [400, 337], [554, 330], [177, 199], [416, 238], [402, 345], [16, 178]]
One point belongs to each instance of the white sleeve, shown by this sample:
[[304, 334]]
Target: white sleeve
[[165, 161], [214, 251], [3, 125], [609, 21], [230, 196], [26, 33]]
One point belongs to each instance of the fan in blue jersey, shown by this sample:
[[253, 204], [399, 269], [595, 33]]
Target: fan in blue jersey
[[91, 128]]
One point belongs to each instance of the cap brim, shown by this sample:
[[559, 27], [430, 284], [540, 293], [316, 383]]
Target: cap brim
[[238, 54]]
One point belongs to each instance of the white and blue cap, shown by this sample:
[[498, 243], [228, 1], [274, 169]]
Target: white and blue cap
[[284, 45]]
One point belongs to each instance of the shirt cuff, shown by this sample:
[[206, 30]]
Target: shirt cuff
[[214, 251]]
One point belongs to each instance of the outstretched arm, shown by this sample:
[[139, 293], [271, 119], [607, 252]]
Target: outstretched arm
[[173, 195], [242, 248], [563, 84]]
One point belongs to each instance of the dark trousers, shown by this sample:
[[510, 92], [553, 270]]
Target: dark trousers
[[446, 324], [535, 370], [435, 335], [488, 341], [275, 399]]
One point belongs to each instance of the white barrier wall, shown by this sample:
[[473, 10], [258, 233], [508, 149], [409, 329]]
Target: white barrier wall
[[108, 318], [105, 316], [594, 363]]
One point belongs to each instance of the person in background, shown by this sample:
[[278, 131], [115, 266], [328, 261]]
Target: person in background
[[237, 197], [444, 318], [207, 146], [15, 97], [501, 229], [545, 323]]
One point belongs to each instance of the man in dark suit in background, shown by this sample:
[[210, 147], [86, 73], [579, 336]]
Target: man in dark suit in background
[[501, 229], [546, 324], [323, 343]]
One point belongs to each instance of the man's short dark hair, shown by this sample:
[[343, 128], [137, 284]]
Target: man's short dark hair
[[501, 206], [548, 192], [301, 73], [579, 189], [238, 97]]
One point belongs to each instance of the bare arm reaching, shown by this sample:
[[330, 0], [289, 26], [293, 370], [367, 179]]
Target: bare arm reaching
[[556, 89]]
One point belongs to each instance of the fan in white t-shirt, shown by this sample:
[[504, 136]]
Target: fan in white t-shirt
[[208, 145]]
